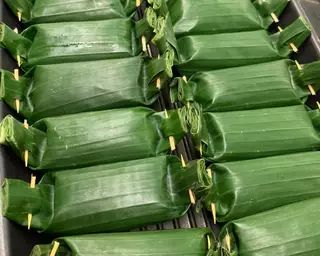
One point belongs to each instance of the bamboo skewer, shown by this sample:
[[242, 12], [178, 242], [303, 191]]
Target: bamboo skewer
[[32, 185], [292, 45], [171, 138], [16, 77], [191, 194], [54, 249], [213, 206], [158, 79], [311, 89], [274, 17], [144, 43], [26, 152], [209, 242], [18, 56]]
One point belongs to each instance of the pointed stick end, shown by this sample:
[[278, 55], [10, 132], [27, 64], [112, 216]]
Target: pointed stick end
[[183, 162], [275, 17], [294, 48], [184, 78], [172, 143], [55, 248], [29, 220], [144, 43], [159, 83], [19, 14], [298, 65], [33, 181], [17, 103], [214, 213], [192, 197], [26, 158]]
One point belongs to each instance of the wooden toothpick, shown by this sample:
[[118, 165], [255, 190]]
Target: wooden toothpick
[[18, 56], [171, 138], [16, 77], [192, 196], [311, 89], [294, 48], [54, 249], [298, 65], [32, 185], [172, 143], [158, 79], [183, 162], [144, 43], [292, 45], [274, 17], [19, 61], [29, 220], [16, 74], [26, 152], [214, 213], [209, 242], [184, 78], [19, 14]]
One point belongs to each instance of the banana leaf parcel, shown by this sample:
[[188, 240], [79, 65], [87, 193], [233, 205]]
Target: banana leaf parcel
[[289, 230], [105, 198], [243, 188], [182, 242], [54, 43], [43, 11], [272, 84], [206, 52], [215, 16], [93, 138], [67, 88], [240, 135]]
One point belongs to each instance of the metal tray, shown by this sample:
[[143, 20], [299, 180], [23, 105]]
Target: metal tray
[[17, 241]]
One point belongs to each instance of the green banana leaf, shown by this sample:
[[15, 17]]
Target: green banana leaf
[[243, 188], [104, 198], [59, 89], [42, 11], [285, 231], [215, 16], [272, 84], [182, 242], [205, 52], [240, 135], [71, 42], [93, 138]]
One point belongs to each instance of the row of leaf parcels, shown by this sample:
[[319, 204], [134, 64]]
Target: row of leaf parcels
[[272, 84], [215, 16], [94, 85], [193, 242], [113, 197], [208, 52], [43, 11]]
